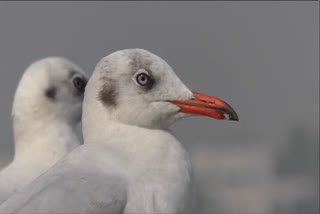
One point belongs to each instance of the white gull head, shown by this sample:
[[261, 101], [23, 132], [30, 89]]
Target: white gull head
[[136, 87], [51, 89], [132, 86]]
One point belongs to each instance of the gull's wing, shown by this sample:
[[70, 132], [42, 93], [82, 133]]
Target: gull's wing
[[74, 185]]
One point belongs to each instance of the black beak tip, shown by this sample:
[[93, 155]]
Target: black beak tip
[[234, 116], [232, 113]]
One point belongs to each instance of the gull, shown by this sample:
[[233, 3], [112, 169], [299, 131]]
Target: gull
[[46, 109], [130, 161]]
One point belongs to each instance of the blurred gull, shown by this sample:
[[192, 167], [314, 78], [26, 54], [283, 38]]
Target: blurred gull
[[46, 109], [130, 162]]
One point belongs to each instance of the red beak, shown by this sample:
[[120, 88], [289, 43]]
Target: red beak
[[207, 106]]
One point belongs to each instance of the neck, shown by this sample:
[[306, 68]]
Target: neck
[[46, 139], [100, 128], [139, 148]]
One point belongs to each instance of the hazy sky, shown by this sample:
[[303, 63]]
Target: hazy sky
[[261, 57]]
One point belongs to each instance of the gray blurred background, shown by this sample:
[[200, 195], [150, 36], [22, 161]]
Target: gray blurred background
[[261, 57]]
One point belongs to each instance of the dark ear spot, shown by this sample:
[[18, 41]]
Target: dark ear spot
[[108, 93], [51, 93]]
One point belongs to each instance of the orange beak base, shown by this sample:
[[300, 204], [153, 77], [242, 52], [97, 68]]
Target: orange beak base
[[207, 106]]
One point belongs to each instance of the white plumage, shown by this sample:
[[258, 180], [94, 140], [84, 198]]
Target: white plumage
[[46, 109], [130, 162]]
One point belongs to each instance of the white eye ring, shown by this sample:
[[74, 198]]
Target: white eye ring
[[142, 79]]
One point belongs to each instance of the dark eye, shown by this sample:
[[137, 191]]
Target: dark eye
[[79, 83], [142, 79]]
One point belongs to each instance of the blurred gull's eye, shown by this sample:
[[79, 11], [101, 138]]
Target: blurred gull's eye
[[142, 79], [79, 83]]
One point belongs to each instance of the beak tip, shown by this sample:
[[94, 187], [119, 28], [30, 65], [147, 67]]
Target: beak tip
[[234, 117]]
